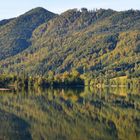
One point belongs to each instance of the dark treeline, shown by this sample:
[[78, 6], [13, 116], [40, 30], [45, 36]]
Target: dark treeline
[[51, 80], [6, 80], [68, 79], [72, 79]]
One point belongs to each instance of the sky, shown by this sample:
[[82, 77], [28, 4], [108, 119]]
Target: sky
[[13, 8]]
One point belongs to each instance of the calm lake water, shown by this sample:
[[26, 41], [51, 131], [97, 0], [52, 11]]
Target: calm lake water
[[70, 114]]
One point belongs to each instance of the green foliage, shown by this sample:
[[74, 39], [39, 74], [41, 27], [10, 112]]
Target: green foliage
[[15, 33], [97, 41]]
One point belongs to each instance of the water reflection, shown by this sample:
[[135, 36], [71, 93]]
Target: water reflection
[[13, 128], [71, 114]]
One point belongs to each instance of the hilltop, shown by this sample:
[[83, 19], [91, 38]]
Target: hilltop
[[15, 33]]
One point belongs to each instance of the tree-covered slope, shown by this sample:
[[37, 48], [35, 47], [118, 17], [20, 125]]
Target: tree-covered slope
[[89, 41], [15, 33]]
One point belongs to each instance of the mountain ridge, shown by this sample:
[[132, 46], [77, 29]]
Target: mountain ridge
[[94, 41]]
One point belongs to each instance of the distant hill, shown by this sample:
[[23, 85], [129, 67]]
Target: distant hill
[[97, 41], [15, 33]]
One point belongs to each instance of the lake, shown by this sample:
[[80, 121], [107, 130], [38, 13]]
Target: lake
[[70, 114]]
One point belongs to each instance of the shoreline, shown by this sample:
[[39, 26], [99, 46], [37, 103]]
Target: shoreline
[[4, 89]]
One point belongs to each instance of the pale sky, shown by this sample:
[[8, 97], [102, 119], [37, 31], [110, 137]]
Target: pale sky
[[12, 8]]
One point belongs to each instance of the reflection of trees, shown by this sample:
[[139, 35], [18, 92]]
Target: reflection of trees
[[66, 113]]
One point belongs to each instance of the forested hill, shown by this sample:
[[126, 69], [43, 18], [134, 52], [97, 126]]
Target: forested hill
[[96, 41], [15, 33]]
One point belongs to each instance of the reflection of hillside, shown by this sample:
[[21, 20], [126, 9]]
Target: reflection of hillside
[[120, 91], [13, 128], [76, 114]]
